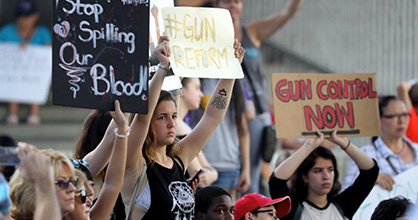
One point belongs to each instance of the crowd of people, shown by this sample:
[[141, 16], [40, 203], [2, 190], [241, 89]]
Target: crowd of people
[[141, 166]]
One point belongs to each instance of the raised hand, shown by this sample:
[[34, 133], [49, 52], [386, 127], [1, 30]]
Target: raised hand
[[315, 142], [35, 166], [120, 119], [163, 51], [340, 141], [239, 50]]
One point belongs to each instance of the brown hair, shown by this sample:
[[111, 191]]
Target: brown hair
[[151, 140]]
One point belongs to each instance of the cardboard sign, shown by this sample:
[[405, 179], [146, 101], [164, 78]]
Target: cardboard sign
[[100, 53], [405, 185], [306, 103], [201, 42], [25, 73]]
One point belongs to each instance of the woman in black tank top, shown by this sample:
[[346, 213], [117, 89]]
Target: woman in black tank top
[[158, 148]]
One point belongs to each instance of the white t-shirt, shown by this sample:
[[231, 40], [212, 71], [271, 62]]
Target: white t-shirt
[[315, 213]]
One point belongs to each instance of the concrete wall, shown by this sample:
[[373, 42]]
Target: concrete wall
[[378, 36]]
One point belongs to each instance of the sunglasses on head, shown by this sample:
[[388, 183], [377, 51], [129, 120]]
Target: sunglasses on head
[[63, 184], [82, 195], [79, 163]]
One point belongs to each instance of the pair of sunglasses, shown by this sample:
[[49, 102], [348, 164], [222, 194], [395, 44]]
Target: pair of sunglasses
[[63, 184], [81, 195], [79, 163]]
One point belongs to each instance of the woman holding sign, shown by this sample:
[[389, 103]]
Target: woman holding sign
[[314, 186], [393, 152], [163, 192], [25, 32]]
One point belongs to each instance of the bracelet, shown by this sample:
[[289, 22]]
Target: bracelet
[[161, 66], [345, 148], [122, 135]]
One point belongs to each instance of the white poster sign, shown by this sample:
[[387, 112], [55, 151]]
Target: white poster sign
[[25, 73], [201, 42], [406, 185]]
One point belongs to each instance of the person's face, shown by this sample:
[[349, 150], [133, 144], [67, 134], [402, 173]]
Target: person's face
[[220, 209], [234, 7], [320, 178], [28, 21], [165, 122], [192, 95], [81, 209], [394, 120], [65, 194], [264, 213]]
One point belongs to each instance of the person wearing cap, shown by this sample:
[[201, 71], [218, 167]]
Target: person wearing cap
[[25, 31], [255, 206], [314, 188]]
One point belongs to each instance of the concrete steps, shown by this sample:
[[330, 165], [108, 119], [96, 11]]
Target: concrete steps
[[59, 129]]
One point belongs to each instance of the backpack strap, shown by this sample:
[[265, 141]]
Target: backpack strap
[[138, 185]]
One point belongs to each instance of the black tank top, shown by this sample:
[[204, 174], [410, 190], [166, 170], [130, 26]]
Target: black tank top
[[171, 197]]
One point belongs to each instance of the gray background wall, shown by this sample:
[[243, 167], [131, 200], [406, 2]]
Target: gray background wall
[[378, 36]]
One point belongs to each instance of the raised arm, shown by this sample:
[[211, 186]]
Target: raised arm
[[403, 93], [141, 122], [244, 181], [116, 170], [363, 161], [193, 143], [262, 29], [99, 157], [286, 169]]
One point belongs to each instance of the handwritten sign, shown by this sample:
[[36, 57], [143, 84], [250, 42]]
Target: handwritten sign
[[405, 185], [306, 103], [201, 42], [25, 73], [100, 53]]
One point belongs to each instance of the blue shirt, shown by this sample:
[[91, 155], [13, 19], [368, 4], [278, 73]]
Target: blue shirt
[[8, 33], [4, 196]]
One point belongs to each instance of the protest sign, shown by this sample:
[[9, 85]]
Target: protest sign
[[25, 73], [100, 54], [306, 103], [405, 185], [201, 42]]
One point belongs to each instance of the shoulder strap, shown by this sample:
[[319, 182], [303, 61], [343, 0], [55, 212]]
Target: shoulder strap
[[387, 159], [180, 163], [340, 210], [298, 212], [138, 185]]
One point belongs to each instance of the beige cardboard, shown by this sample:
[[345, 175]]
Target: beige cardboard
[[201, 42], [292, 112]]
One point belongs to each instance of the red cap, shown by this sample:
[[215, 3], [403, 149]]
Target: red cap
[[252, 201]]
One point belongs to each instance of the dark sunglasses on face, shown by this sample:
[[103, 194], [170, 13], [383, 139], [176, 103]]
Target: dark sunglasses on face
[[63, 184], [82, 195]]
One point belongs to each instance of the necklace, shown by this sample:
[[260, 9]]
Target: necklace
[[403, 148]]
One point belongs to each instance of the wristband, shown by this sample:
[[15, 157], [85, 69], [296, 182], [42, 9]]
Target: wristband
[[161, 66], [348, 145], [128, 132]]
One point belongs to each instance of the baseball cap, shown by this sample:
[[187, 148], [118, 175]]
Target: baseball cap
[[26, 7], [252, 201]]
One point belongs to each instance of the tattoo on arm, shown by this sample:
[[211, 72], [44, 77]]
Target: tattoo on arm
[[219, 102]]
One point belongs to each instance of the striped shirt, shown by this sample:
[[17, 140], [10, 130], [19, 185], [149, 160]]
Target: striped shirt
[[380, 156]]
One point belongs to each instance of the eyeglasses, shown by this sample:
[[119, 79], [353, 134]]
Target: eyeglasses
[[82, 194], [398, 116], [79, 163], [271, 212], [63, 184]]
